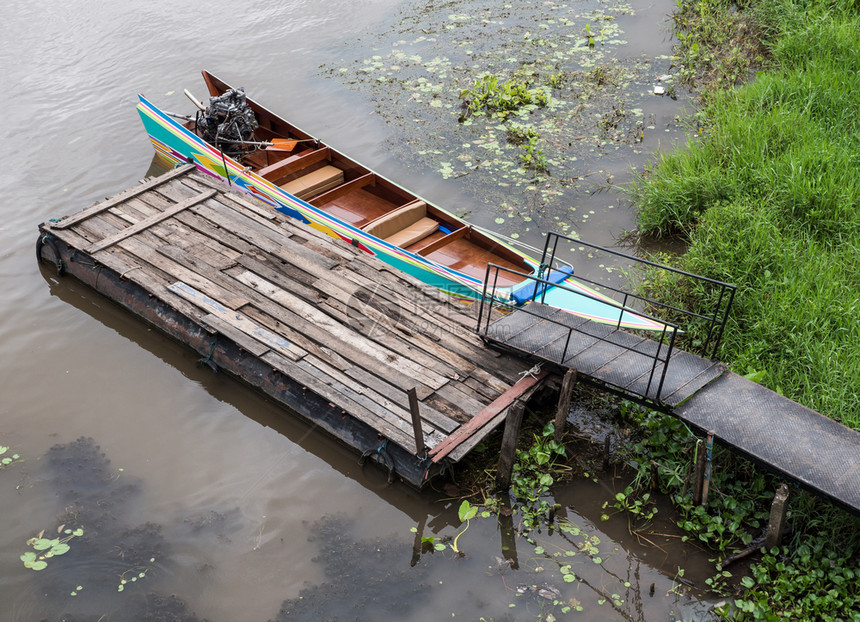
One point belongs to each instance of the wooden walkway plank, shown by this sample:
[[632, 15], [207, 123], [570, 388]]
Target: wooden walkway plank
[[318, 385], [341, 332], [345, 348], [148, 222], [384, 408], [98, 208], [438, 419], [294, 336], [238, 321]]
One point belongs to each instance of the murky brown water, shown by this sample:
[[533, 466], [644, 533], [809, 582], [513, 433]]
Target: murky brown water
[[210, 492]]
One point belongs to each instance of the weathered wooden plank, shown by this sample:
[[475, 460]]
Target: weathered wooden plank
[[250, 225], [331, 247], [449, 408], [314, 381], [455, 393], [429, 316], [394, 393], [343, 333], [414, 322], [503, 401], [260, 208], [293, 336], [396, 414], [351, 350], [240, 322], [137, 247], [492, 381], [275, 273], [239, 337], [123, 196], [479, 387], [175, 233], [386, 330], [485, 430]]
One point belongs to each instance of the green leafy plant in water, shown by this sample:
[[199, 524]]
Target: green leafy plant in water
[[492, 95], [520, 134], [46, 548], [466, 513], [640, 508], [588, 36], [532, 477], [429, 542], [533, 157], [557, 81], [6, 460], [132, 575]]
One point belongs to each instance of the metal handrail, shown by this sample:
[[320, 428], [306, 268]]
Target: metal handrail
[[489, 295], [714, 320]]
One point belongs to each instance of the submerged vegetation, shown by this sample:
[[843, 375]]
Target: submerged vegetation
[[477, 73]]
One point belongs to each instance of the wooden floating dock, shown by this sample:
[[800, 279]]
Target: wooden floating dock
[[320, 326]]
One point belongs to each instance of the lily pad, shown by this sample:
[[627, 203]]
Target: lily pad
[[42, 544]]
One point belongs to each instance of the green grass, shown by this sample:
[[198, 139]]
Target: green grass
[[768, 198]]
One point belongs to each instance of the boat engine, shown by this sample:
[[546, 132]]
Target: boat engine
[[228, 122]]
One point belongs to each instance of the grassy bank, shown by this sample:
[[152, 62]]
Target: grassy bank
[[769, 199]]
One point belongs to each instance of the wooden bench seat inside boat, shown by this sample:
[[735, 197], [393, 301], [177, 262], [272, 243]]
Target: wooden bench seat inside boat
[[404, 226], [314, 183]]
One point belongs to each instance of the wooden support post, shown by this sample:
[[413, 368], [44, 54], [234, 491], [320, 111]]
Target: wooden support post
[[773, 536], [655, 477], [699, 472], [416, 422], [508, 454], [706, 480], [508, 533], [564, 403], [606, 448]]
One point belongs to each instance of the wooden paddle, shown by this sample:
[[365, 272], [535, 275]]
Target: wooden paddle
[[281, 144], [274, 144]]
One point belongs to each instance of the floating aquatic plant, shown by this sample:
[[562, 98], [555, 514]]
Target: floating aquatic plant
[[46, 548], [528, 65], [132, 575], [466, 513], [7, 460]]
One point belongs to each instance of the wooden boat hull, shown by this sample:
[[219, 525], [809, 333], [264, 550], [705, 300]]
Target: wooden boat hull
[[178, 145]]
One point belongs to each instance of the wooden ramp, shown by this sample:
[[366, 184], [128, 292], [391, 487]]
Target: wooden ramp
[[818, 453], [322, 327]]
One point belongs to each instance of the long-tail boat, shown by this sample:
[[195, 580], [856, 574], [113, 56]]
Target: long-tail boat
[[240, 142]]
